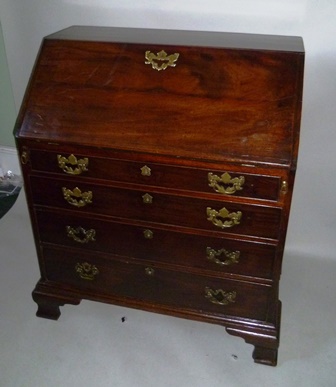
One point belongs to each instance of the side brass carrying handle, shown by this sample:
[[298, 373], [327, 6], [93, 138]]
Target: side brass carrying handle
[[214, 256], [86, 271], [219, 296], [81, 235], [284, 187], [161, 60], [230, 219], [225, 184], [71, 165], [76, 197], [24, 158]]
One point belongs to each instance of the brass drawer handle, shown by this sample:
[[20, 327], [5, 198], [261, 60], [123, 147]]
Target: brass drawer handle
[[76, 197], [86, 271], [231, 256], [81, 235], [231, 219], [225, 184], [165, 59], [145, 171], [147, 198], [219, 296], [72, 165], [148, 234]]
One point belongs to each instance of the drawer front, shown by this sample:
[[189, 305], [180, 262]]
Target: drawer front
[[154, 285], [221, 182], [219, 256], [259, 221]]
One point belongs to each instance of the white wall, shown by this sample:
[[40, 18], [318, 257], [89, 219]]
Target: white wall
[[312, 228], [7, 108]]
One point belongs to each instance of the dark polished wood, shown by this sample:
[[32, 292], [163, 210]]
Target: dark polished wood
[[183, 178]]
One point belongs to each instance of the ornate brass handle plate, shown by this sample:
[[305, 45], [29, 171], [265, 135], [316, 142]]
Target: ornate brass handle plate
[[71, 165], [81, 235], [225, 184], [161, 60], [219, 296], [76, 197], [86, 271], [229, 219], [231, 256]]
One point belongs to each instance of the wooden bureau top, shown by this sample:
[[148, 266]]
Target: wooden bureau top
[[181, 38], [230, 97]]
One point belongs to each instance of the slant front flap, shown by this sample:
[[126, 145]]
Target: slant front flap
[[193, 102]]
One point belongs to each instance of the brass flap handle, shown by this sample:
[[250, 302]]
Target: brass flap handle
[[81, 235], [231, 257], [71, 165], [219, 296], [86, 271], [161, 60], [229, 219], [225, 184], [76, 197]]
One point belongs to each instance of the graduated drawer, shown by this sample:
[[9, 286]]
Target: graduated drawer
[[259, 221], [219, 256], [92, 274], [224, 182]]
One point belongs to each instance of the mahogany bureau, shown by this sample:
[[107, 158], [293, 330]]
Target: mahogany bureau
[[159, 169]]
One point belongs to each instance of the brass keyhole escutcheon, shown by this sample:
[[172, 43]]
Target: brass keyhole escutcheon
[[147, 198], [148, 234], [149, 271], [145, 171]]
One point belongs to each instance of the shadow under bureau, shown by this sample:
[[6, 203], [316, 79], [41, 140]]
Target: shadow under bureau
[[159, 169]]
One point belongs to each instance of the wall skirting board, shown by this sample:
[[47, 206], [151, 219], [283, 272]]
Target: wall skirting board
[[9, 160]]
